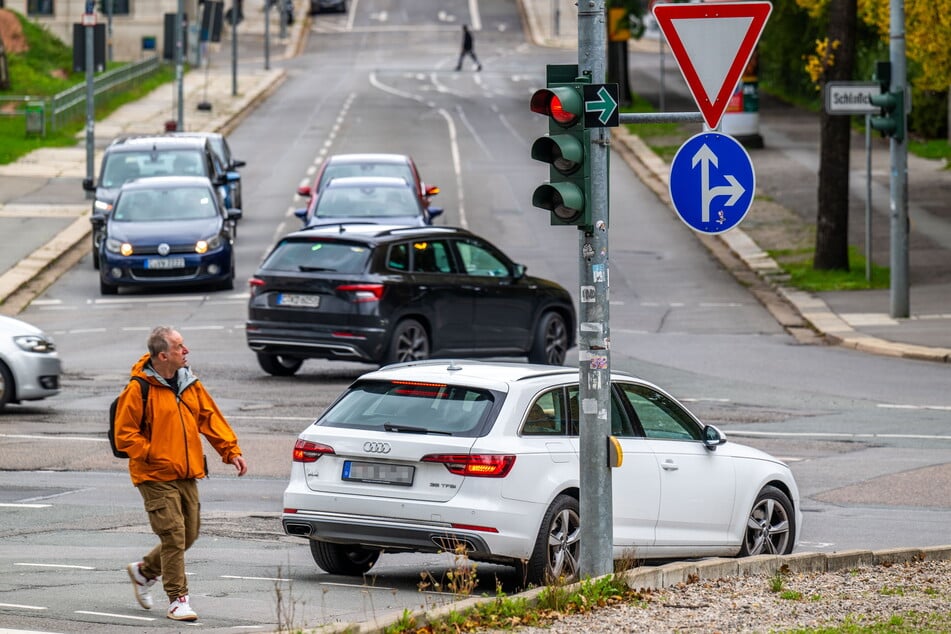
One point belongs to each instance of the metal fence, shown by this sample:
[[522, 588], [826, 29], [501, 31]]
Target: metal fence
[[52, 113]]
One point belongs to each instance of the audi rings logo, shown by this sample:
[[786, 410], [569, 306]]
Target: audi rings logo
[[376, 447], [164, 249]]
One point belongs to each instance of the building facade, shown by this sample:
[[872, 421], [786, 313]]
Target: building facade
[[134, 28]]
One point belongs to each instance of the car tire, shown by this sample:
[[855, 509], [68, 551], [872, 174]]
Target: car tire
[[550, 342], [771, 525], [7, 387], [279, 365], [107, 289], [409, 342], [341, 559], [554, 558]]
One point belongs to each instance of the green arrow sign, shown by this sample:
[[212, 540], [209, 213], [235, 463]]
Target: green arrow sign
[[601, 106]]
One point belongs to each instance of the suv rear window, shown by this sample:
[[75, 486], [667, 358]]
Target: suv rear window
[[317, 256], [412, 407], [121, 167]]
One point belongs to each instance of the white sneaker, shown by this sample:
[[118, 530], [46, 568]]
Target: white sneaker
[[179, 610], [141, 585]]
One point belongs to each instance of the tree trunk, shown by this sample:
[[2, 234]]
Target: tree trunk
[[832, 220], [4, 69]]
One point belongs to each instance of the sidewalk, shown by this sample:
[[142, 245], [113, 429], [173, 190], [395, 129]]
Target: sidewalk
[[44, 213]]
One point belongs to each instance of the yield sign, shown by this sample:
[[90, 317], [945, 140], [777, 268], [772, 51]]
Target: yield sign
[[713, 43]]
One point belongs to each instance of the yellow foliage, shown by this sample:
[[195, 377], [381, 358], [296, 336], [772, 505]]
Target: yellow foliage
[[822, 59], [927, 33], [815, 8]]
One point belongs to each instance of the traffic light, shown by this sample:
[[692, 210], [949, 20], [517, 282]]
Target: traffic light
[[565, 148], [891, 121]]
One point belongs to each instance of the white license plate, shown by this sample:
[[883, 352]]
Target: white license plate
[[290, 299], [165, 263], [378, 472]]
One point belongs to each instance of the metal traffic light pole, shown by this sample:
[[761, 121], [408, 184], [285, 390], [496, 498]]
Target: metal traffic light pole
[[594, 360], [898, 151]]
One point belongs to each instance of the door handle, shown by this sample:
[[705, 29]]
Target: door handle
[[669, 465]]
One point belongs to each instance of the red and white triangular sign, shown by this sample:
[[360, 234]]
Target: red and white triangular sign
[[713, 43]]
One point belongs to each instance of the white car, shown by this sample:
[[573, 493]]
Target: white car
[[29, 365], [429, 456]]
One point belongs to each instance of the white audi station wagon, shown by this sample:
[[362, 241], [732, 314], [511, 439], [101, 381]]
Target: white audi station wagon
[[438, 455]]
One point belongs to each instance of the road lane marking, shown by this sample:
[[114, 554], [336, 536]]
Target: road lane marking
[[115, 616], [21, 607], [255, 578], [55, 566], [25, 506]]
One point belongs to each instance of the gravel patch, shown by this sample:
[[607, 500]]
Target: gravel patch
[[750, 603]]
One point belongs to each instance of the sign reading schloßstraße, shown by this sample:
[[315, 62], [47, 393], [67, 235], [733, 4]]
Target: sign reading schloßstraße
[[851, 97]]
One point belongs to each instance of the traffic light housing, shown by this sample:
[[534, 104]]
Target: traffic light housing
[[891, 120], [566, 148]]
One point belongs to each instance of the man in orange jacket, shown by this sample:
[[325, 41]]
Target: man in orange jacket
[[166, 461]]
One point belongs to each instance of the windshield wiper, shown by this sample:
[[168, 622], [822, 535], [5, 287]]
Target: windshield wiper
[[407, 429], [312, 269]]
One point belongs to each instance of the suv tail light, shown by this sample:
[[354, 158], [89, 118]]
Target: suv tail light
[[360, 293], [475, 465], [307, 451], [256, 285]]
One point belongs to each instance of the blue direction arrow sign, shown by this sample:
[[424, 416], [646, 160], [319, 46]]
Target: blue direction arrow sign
[[712, 182]]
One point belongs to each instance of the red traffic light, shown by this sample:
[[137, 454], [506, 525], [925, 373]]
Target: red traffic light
[[562, 103]]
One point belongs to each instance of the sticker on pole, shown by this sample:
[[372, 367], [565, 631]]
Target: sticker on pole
[[712, 43], [712, 182]]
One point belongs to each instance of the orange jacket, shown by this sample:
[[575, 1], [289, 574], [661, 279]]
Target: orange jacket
[[170, 447]]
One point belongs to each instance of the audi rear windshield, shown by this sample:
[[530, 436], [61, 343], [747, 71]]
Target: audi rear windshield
[[414, 408], [317, 256]]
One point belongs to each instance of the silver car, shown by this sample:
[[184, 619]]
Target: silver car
[[29, 364]]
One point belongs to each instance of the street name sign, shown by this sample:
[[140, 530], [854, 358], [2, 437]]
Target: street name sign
[[712, 43], [712, 182], [851, 97], [601, 106]]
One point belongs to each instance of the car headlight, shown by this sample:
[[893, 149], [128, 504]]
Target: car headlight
[[208, 244], [102, 205], [35, 343], [118, 246]]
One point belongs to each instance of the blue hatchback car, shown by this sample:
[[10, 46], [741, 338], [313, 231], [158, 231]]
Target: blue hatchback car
[[169, 231]]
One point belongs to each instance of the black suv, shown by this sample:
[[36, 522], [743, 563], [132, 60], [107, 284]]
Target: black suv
[[129, 158], [384, 294]]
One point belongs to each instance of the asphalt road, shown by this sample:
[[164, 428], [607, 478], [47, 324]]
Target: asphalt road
[[866, 436]]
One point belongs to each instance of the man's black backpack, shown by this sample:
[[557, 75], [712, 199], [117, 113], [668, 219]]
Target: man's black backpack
[[112, 416]]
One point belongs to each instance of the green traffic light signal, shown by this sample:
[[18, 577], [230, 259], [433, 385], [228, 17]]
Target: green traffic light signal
[[891, 123], [565, 148]]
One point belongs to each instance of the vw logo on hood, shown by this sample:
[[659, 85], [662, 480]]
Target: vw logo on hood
[[376, 447], [164, 249]]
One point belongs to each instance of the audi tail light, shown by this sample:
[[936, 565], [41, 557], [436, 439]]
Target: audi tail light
[[475, 465], [307, 451]]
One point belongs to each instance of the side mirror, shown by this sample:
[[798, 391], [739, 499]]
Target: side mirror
[[304, 190], [519, 271], [232, 177], [89, 185], [236, 163], [712, 437], [302, 214], [435, 211], [234, 214]]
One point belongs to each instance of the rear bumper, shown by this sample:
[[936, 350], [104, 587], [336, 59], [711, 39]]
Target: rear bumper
[[316, 342], [389, 534]]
